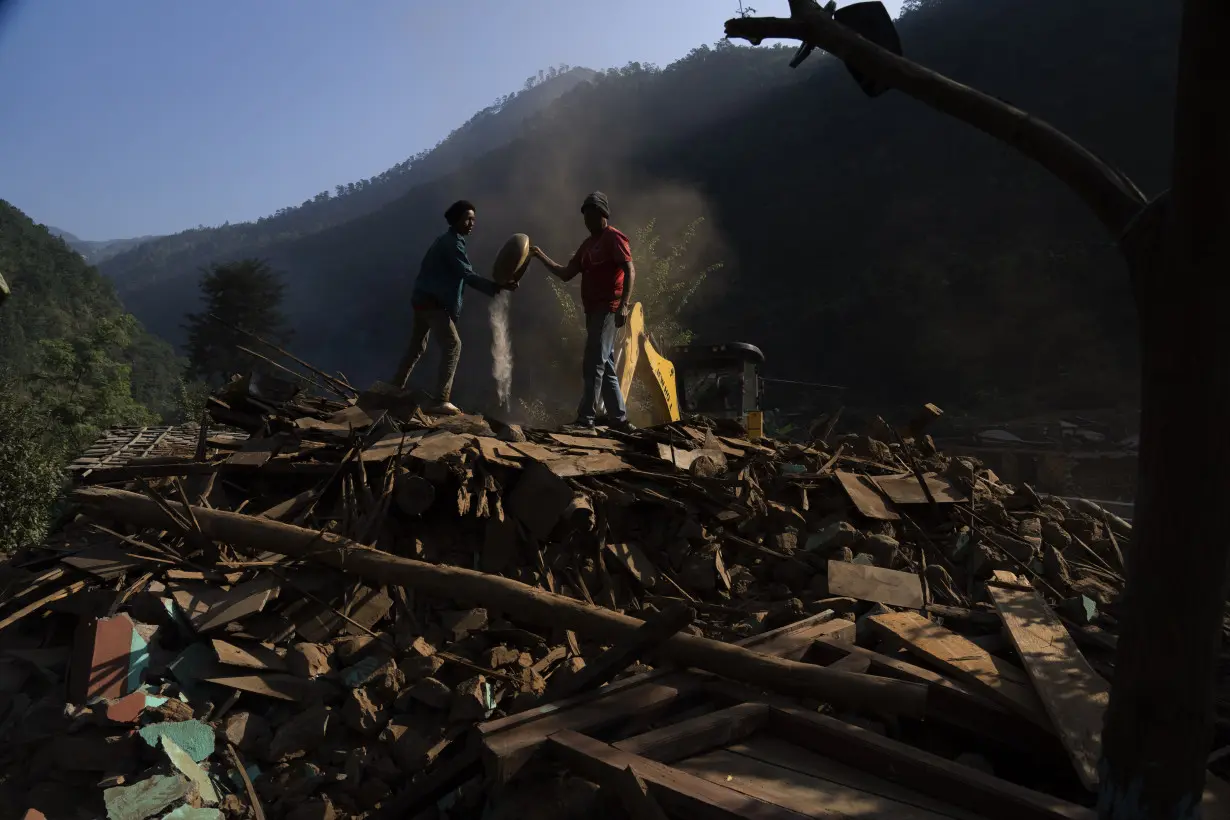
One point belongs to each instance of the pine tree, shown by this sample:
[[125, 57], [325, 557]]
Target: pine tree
[[246, 294]]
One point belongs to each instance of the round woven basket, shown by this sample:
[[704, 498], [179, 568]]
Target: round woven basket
[[512, 260]]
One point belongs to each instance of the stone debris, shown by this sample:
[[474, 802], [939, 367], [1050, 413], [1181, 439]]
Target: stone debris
[[206, 677]]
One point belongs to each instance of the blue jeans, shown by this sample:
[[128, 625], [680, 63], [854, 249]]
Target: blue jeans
[[598, 370]]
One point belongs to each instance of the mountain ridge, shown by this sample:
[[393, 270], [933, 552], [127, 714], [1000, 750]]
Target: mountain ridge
[[96, 251], [183, 253], [870, 243]]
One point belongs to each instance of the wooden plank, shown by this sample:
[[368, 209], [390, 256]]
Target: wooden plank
[[885, 586], [307, 424], [948, 702], [1072, 693], [634, 560], [796, 759], [438, 445], [588, 442], [354, 416], [105, 475], [506, 752], [679, 793], [797, 641], [535, 451], [275, 685], [683, 458], [745, 445], [859, 664], [585, 712], [697, 735], [905, 489], [256, 451], [248, 654], [499, 452], [287, 509], [104, 561], [208, 608], [570, 466], [806, 794], [866, 500], [387, 446], [930, 774], [965, 661]]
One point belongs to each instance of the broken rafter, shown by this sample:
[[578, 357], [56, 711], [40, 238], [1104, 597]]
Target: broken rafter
[[845, 689]]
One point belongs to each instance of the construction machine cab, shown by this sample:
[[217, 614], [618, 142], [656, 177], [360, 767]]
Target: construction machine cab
[[719, 381]]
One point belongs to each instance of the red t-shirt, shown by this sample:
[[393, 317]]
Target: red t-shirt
[[602, 259]]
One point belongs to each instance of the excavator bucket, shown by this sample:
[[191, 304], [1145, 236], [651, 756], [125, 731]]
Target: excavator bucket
[[640, 361]]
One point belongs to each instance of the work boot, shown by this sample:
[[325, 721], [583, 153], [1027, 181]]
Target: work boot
[[623, 426], [444, 408], [582, 424]]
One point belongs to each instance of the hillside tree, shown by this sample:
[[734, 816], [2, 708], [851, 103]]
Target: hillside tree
[[82, 385], [246, 294], [1159, 725]]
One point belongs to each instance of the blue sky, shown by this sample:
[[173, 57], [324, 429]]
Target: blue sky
[[131, 117]]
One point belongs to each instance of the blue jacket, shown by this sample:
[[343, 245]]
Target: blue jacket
[[444, 273]]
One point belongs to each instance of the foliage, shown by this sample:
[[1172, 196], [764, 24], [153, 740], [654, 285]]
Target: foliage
[[190, 401], [30, 468], [80, 385], [56, 295], [247, 296], [664, 284], [71, 363]]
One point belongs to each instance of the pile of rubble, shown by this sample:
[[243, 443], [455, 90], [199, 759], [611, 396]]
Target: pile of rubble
[[314, 608]]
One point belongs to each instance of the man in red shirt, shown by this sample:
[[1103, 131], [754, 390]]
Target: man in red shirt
[[604, 261]]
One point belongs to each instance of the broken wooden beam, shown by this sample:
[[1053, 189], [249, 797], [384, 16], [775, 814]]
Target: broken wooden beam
[[535, 605], [656, 629], [1073, 694], [964, 660]]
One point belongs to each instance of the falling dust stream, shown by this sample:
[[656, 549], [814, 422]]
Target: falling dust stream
[[501, 346]]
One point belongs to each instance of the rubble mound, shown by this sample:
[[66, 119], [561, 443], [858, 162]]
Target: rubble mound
[[342, 608]]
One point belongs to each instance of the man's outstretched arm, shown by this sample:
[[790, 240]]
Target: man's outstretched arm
[[564, 272], [461, 266]]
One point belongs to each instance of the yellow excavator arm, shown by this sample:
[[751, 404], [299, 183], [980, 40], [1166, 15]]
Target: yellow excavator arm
[[640, 360]]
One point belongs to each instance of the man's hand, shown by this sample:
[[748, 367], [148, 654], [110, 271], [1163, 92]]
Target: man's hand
[[536, 252], [621, 316], [510, 285]]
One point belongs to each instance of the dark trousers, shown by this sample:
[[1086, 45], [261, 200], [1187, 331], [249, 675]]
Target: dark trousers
[[598, 370], [438, 323]]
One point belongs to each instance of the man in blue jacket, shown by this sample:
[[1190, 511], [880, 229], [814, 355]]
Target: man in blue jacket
[[438, 290]]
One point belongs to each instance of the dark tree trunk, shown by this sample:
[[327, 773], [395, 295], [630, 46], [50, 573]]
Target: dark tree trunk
[[1160, 723]]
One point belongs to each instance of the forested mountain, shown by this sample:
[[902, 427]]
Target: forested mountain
[[96, 251], [59, 303], [180, 255], [870, 243]]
